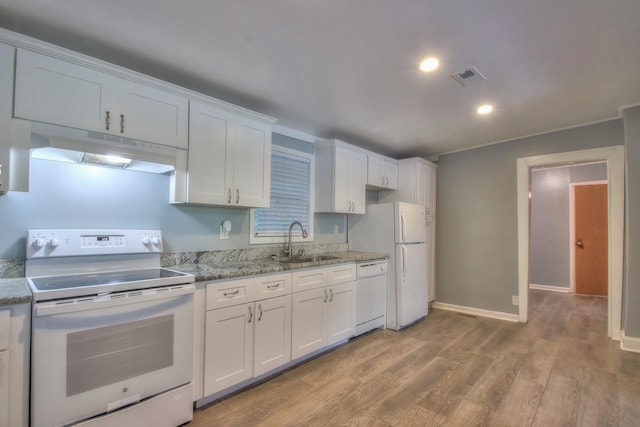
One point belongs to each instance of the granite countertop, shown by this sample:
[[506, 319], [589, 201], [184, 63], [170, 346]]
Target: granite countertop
[[207, 272], [14, 291]]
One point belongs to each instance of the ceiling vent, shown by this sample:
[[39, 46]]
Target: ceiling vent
[[468, 76]]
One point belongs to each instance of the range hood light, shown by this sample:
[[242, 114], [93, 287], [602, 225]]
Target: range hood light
[[105, 160]]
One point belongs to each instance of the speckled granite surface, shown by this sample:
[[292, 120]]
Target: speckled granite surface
[[206, 270], [14, 291], [11, 268]]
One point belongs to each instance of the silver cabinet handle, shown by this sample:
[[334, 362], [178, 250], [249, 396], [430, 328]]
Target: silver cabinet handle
[[250, 314], [276, 286], [121, 123], [230, 294], [260, 312], [580, 243], [325, 296], [107, 121], [331, 293], [228, 195], [237, 195]]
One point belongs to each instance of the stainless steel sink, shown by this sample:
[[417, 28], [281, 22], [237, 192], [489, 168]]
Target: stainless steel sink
[[316, 258]]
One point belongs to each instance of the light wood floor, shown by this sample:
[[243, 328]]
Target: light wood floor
[[560, 369]]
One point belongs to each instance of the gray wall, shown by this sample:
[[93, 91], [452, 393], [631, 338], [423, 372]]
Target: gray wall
[[78, 196], [477, 244], [550, 221], [631, 292]]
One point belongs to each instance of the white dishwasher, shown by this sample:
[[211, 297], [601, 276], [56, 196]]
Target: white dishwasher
[[371, 295]]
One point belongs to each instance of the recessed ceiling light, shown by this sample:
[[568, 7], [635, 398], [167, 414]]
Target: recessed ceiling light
[[485, 109], [428, 65]]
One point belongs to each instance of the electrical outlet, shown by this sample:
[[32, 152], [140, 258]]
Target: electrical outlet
[[515, 300], [336, 228]]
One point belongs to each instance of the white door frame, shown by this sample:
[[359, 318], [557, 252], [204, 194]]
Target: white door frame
[[614, 156], [572, 229]]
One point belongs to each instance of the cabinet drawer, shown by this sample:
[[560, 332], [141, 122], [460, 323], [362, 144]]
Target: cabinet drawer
[[226, 294], [5, 323], [272, 286], [342, 273], [309, 279]]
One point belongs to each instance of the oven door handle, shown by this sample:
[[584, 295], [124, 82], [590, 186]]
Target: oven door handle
[[75, 305]]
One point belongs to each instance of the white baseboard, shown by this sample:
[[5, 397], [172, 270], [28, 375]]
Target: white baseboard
[[630, 343], [476, 311], [550, 288]]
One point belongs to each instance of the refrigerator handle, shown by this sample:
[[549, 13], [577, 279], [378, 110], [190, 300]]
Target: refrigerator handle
[[403, 228], [404, 259]]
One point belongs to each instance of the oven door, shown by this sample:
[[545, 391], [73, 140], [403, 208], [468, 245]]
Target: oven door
[[93, 355]]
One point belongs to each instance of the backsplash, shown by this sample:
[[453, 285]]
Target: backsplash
[[14, 268], [249, 254]]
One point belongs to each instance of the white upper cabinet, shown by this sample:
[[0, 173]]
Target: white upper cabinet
[[382, 172], [341, 175], [78, 95], [15, 135], [416, 184], [229, 160]]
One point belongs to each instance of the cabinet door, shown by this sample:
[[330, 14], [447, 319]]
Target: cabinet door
[[209, 131], [251, 164], [375, 171], [15, 137], [308, 327], [391, 174], [341, 312], [430, 191], [152, 114], [341, 201], [420, 184], [356, 181], [54, 91], [4, 388], [228, 350], [272, 333]]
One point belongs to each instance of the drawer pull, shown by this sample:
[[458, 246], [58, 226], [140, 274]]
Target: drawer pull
[[277, 285], [230, 294], [260, 311], [250, 314]]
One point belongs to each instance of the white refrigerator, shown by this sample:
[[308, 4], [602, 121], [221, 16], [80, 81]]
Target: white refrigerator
[[399, 230]]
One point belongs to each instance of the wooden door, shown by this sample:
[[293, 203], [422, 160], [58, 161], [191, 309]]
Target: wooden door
[[591, 239]]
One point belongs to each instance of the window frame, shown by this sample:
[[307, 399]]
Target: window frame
[[310, 157]]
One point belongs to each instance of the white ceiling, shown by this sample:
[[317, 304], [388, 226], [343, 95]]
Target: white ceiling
[[349, 68]]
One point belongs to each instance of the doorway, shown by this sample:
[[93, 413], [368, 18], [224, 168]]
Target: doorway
[[614, 158]]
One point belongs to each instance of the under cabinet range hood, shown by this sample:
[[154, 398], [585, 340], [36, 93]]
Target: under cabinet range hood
[[64, 144]]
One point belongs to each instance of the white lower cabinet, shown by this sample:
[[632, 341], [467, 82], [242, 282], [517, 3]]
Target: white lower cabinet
[[272, 334], [308, 330], [15, 339], [325, 315], [228, 347], [249, 338], [341, 312]]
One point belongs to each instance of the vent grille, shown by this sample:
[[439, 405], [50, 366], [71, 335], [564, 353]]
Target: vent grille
[[468, 76]]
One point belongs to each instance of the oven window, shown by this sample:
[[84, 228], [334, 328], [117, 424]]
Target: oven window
[[103, 356]]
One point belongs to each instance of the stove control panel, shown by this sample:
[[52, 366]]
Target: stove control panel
[[78, 242]]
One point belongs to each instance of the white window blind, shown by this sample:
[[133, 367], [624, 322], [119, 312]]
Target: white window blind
[[290, 197]]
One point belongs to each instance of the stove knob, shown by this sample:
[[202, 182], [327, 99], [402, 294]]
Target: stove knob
[[155, 240], [53, 242], [145, 241], [38, 243]]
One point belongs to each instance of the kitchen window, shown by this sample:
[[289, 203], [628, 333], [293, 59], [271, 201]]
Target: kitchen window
[[291, 198]]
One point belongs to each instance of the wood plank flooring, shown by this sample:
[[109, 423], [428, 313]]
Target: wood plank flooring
[[560, 369]]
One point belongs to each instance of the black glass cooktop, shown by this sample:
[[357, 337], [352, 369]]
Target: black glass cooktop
[[50, 283]]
